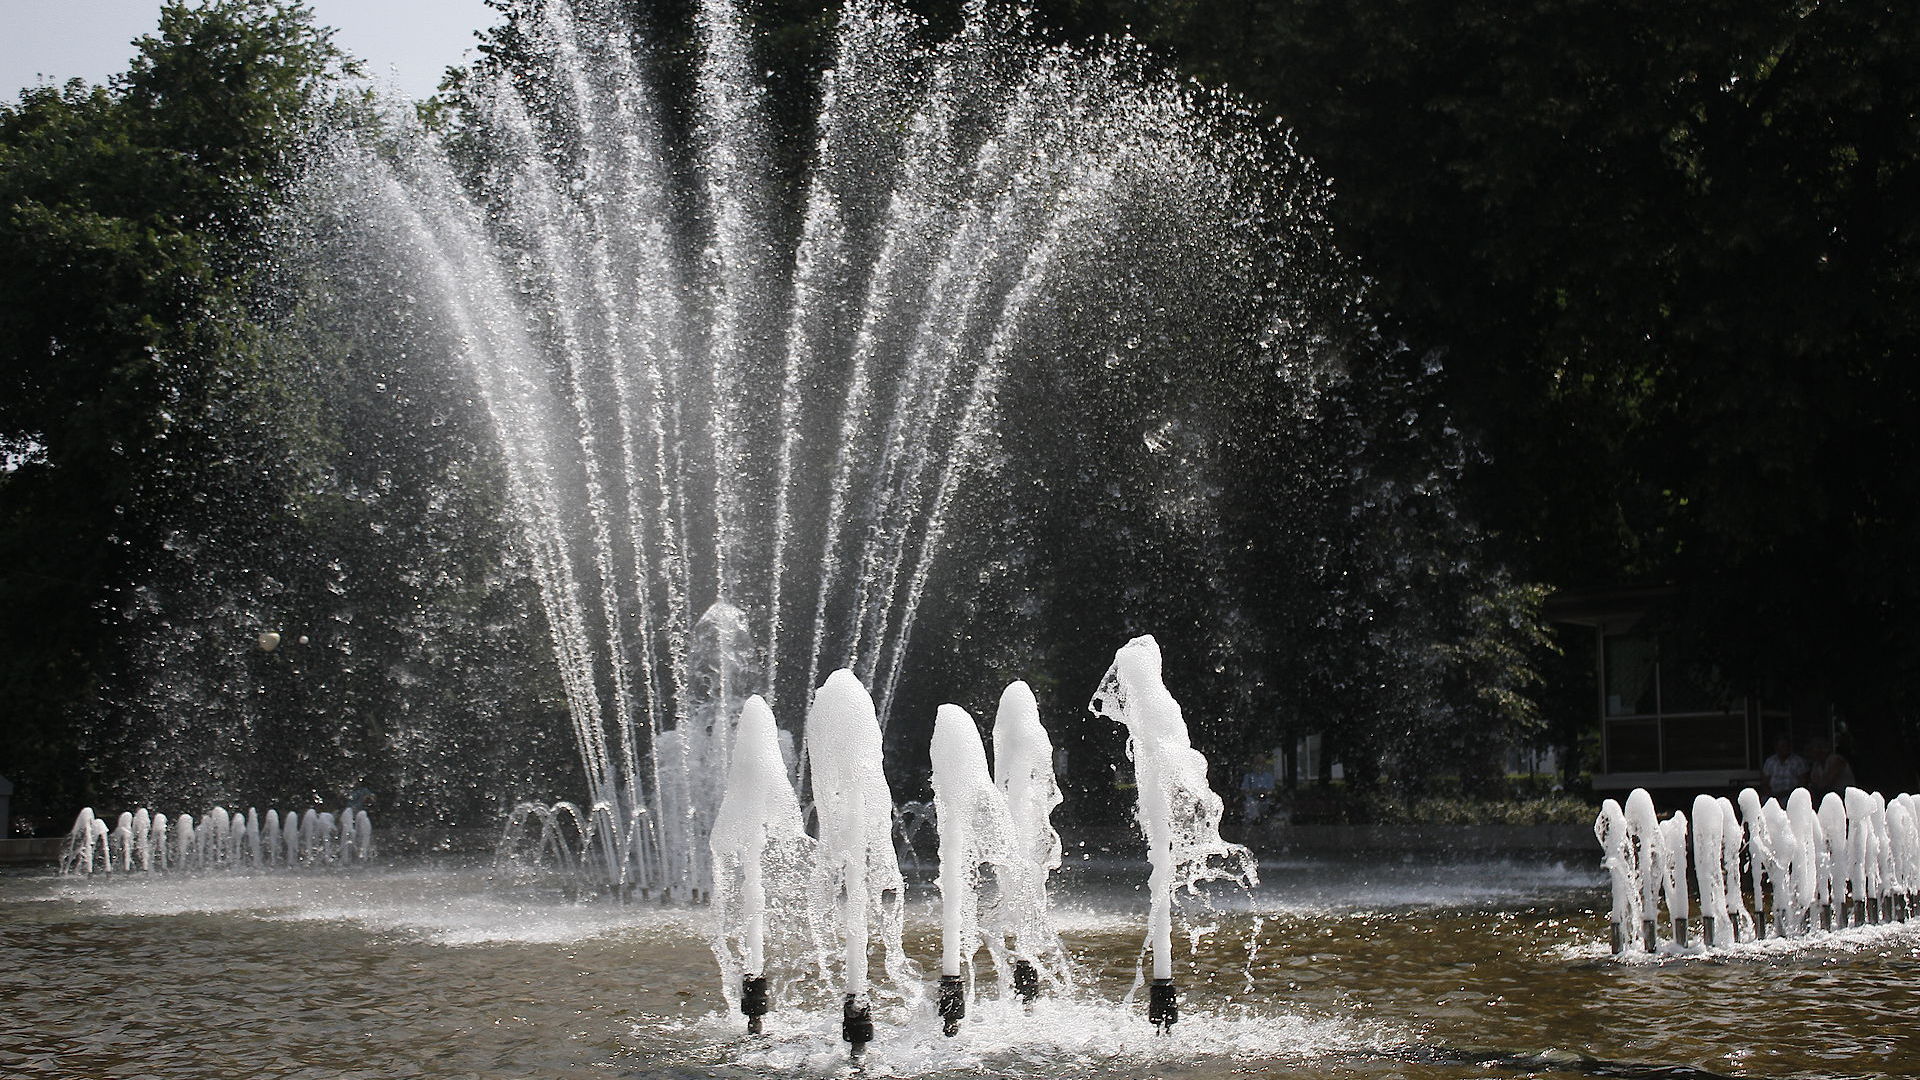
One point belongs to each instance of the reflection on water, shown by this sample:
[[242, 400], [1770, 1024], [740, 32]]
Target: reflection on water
[[1330, 969]]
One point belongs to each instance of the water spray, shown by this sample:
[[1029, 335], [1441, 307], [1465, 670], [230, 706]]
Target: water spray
[[757, 830], [1178, 812], [1849, 865], [1673, 864], [855, 808], [1616, 842], [1023, 772], [975, 830]]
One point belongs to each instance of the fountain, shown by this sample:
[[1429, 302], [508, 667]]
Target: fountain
[[994, 862], [856, 835], [976, 834], [765, 865], [146, 842], [709, 400], [1856, 863], [726, 419], [1178, 812], [1024, 772], [738, 428]]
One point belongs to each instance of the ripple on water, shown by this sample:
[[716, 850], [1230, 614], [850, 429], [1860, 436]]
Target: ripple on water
[[433, 973]]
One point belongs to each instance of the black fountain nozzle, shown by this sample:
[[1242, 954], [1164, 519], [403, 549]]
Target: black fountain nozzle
[[1163, 1005], [953, 1004], [753, 1001], [1026, 980], [856, 1023]]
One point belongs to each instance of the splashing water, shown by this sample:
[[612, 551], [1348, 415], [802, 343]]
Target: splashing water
[[1023, 770], [710, 400], [1178, 812], [766, 869], [145, 842], [976, 832], [994, 862], [1855, 863], [855, 807]]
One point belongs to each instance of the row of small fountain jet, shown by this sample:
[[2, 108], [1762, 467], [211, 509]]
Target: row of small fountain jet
[[1853, 861], [142, 841], [796, 911]]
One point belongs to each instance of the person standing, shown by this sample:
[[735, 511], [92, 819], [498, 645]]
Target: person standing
[[1830, 771], [1785, 770]]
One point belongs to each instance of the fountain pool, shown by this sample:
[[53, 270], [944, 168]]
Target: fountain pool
[[770, 409], [1402, 968]]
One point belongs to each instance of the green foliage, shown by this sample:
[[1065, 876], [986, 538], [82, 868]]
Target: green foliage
[[1669, 253], [228, 88], [182, 479], [95, 283], [1346, 806]]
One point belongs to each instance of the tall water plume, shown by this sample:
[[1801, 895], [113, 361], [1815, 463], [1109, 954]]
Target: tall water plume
[[717, 392]]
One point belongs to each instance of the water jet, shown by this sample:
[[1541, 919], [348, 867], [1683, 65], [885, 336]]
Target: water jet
[[721, 406], [1179, 814], [1831, 874]]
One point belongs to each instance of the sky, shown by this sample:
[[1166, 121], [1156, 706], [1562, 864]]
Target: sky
[[405, 42]]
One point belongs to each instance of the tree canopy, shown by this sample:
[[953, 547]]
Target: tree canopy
[[178, 481], [1668, 252], [1640, 307]]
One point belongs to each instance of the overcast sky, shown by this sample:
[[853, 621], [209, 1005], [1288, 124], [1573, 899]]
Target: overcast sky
[[409, 42]]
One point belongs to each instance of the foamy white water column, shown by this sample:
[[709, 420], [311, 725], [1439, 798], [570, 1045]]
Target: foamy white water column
[[1023, 769], [1178, 811], [1643, 825], [758, 803], [974, 831], [757, 811], [1616, 844], [1832, 860], [1708, 840], [855, 809], [1761, 856], [1730, 848], [1673, 832]]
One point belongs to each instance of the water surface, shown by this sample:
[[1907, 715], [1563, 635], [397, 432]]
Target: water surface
[[1333, 968]]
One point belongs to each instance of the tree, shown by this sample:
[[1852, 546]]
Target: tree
[[185, 478], [123, 209], [1669, 254]]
